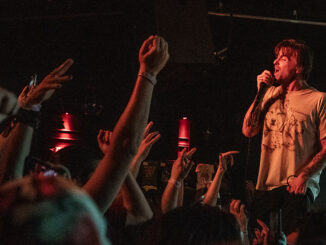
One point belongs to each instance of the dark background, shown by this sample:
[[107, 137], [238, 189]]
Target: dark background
[[103, 37]]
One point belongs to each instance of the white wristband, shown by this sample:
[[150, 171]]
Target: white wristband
[[36, 107], [148, 76], [176, 183]]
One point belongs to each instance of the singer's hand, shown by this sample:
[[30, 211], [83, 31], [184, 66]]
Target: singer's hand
[[265, 77]]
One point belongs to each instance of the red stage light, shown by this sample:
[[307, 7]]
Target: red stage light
[[59, 146], [184, 134], [67, 120], [67, 135]]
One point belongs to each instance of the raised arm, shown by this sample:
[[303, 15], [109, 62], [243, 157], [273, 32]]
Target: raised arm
[[150, 138], [261, 236], [252, 121], [238, 210], [112, 170], [225, 160], [133, 199], [180, 170], [16, 139]]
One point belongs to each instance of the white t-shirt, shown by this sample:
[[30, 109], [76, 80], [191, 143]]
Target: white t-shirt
[[292, 130]]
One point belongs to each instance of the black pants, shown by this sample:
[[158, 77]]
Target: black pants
[[294, 207]]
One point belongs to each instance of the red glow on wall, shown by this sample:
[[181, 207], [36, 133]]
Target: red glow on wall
[[59, 146], [67, 133], [65, 136], [67, 120]]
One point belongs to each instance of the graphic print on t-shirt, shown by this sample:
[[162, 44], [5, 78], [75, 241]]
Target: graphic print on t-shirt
[[282, 127]]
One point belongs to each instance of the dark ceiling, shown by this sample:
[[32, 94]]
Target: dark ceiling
[[291, 9]]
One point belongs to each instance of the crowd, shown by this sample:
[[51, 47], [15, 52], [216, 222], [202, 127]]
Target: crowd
[[95, 199]]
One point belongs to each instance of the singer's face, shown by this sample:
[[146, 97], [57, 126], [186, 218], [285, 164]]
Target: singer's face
[[285, 67]]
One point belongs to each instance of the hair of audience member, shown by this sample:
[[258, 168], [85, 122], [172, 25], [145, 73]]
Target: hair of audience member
[[192, 225], [312, 230], [80, 160], [48, 210]]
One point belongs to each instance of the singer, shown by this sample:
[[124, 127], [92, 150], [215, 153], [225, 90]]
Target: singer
[[292, 116]]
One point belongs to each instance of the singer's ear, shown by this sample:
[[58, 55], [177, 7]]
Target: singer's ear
[[299, 69]]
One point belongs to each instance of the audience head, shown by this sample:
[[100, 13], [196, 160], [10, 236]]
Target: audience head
[[313, 229], [48, 210], [195, 225], [80, 160]]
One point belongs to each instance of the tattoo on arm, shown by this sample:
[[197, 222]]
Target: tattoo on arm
[[258, 114], [316, 164], [254, 118]]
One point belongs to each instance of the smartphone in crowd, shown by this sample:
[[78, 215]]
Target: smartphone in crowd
[[45, 168]]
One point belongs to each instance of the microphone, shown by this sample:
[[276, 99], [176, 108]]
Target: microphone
[[259, 96], [261, 92]]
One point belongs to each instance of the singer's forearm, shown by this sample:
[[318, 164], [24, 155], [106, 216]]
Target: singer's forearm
[[253, 120], [316, 164], [252, 123]]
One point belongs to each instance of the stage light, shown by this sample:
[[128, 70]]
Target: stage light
[[66, 133], [184, 134]]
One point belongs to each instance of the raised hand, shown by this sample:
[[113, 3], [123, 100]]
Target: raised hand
[[188, 154], [35, 95], [265, 77], [238, 210], [172, 196], [182, 166], [153, 55], [225, 160], [147, 142], [261, 235], [103, 140]]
